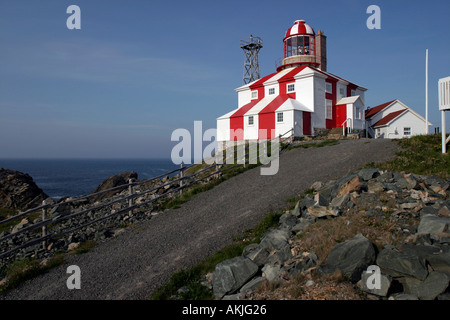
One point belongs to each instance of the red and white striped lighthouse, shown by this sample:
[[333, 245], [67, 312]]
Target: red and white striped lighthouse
[[300, 98]]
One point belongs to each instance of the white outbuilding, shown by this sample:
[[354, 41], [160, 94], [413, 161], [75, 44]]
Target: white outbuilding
[[394, 120]]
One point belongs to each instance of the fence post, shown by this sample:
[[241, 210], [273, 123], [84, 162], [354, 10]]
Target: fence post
[[181, 177], [44, 228], [130, 193]]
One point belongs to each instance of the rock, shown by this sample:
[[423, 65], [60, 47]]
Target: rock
[[433, 285], [19, 191], [252, 284], [257, 254], [304, 203], [316, 185], [322, 211], [351, 257], [274, 239], [73, 246], [320, 200], [288, 220], [271, 272], [351, 185], [338, 202], [368, 174], [433, 225], [309, 283], [111, 182], [374, 186], [230, 275], [23, 223], [403, 296], [399, 264], [280, 256]]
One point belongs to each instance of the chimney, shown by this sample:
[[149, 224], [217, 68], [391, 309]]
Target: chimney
[[321, 50]]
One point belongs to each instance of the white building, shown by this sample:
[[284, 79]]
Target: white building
[[300, 99], [394, 120]]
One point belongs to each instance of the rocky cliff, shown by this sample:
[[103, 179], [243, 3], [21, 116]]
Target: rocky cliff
[[19, 191]]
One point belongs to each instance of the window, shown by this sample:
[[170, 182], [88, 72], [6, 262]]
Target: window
[[250, 120], [254, 94], [291, 87], [358, 113], [406, 131], [280, 117], [342, 92], [271, 91], [329, 109], [299, 45], [329, 88], [353, 93]]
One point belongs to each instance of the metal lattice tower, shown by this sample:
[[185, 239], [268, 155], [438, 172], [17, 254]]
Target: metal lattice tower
[[251, 63]]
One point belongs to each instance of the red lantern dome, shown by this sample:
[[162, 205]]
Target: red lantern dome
[[299, 28]]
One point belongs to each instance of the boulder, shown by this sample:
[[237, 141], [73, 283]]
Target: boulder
[[338, 202], [428, 289], [322, 211], [368, 174], [349, 186], [19, 191], [271, 272], [351, 257], [111, 182], [433, 225], [256, 253], [275, 239], [230, 275], [400, 264]]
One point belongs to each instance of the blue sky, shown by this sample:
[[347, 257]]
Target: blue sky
[[139, 69]]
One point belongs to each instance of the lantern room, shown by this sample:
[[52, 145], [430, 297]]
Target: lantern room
[[299, 40], [303, 47]]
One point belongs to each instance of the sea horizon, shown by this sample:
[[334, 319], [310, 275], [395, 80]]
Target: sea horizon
[[61, 177]]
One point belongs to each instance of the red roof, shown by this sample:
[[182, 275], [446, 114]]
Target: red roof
[[372, 111], [391, 116]]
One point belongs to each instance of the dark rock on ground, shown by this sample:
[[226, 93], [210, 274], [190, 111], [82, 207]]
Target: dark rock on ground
[[19, 191], [351, 257], [111, 182]]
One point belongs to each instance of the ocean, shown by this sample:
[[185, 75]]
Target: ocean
[[64, 177]]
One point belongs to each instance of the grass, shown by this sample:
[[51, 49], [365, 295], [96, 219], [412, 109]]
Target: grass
[[329, 142], [420, 155], [323, 235], [22, 270], [191, 278]]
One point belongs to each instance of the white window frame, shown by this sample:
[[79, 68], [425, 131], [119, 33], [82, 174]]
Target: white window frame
[[358, 113], [406, 131], [278, 117], [252, 121], [328, 107], [271, 91], [290, 87], [328, 87], [254, 94]]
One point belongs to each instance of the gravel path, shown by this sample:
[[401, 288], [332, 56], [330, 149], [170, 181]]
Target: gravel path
[[135, 263]]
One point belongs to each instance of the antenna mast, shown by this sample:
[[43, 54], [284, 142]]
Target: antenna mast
[[251, 63]]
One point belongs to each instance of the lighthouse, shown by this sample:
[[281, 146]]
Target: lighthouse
[[301, 98]]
